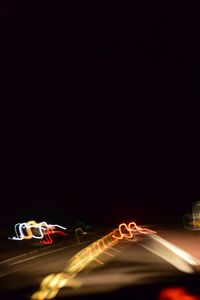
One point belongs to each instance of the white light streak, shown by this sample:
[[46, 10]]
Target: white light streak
[[42, 226], [180, 259]]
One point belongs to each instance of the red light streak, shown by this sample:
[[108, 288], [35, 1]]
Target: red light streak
[[47, 238], [130, 231], [60, 233], [109, 253]]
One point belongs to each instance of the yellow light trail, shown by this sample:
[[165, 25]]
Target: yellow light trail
[[196, 214], [51, 284], [76, 233]]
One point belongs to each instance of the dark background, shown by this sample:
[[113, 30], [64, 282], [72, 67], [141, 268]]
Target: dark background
[[100, 112]]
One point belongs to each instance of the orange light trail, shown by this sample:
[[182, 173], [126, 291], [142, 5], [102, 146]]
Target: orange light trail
[[130, 231], [99, 261]]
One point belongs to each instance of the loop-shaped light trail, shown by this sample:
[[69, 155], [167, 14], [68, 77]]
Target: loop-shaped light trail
[[24, 231], [130, 229]]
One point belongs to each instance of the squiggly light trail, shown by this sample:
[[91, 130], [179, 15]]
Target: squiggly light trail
[[51, 284], [76, 233], [44, 231], [130, 230]]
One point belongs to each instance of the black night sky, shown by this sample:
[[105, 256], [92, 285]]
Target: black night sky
[[100, 115]]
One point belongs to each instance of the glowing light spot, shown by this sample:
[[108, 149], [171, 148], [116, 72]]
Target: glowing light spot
[[176, 293]]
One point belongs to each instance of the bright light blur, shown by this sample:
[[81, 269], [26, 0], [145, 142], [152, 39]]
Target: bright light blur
[[176, 293], [180, 259]]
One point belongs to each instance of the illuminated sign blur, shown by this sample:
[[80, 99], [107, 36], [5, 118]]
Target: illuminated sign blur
[[196, 214], [32, 229], [192, 222]]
